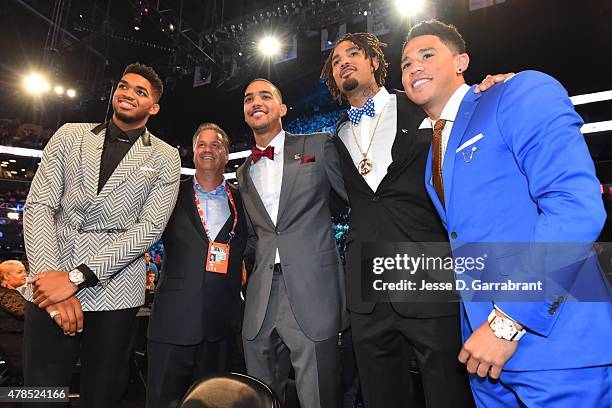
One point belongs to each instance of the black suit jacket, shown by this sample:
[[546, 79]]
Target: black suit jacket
[[190, 303], [398, 211]]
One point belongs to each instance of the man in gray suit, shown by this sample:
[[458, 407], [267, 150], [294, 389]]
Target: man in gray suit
[[102, 195], [295, 296]]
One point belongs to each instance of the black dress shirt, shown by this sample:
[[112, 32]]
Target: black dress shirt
[[116, 145]]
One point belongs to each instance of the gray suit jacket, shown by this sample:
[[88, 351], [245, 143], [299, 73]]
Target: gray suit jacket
[[67, 223], [312, 269]]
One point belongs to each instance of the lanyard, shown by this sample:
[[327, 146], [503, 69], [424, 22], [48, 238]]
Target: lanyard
[[230, 197]]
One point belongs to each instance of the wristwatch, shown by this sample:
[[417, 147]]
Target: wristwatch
[[504, 328], [76, 277]]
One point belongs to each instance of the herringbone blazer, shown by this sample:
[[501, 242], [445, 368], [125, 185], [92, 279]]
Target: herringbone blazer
[[67, 223]]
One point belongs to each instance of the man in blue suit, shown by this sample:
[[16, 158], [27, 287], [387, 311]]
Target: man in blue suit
[[511, 166]]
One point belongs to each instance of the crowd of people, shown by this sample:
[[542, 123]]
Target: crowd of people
[[436, 170]]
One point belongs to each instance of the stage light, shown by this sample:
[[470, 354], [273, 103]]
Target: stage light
[[71, 93], [171, 27], [36, 84], [269, 46], [58, 89], [137, 28], [409, 7]]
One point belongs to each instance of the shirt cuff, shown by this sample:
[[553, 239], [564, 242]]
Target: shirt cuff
[[90, 278]]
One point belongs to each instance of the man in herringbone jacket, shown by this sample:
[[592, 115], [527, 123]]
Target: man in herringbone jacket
[[102, 195]]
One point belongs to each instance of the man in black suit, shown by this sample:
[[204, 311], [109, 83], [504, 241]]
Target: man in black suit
[[197, 302], [383, 160]]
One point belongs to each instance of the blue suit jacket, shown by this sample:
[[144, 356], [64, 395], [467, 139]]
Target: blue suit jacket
[[530, 179]]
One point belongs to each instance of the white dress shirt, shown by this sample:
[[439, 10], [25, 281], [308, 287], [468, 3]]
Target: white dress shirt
[[449, 113], [267, 175], [380, 152]]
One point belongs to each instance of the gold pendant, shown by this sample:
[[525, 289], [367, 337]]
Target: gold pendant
[[365, 166]]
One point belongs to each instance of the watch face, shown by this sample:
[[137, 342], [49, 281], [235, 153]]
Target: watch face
[[76, 277], [503, 328]]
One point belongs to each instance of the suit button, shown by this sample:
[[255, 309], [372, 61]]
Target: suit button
[[375, 198], [453, 235]]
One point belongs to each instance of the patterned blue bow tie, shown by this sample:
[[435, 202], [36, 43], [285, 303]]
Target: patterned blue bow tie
[[355, 114]]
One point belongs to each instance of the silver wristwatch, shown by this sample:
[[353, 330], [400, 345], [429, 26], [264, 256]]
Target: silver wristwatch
[[504, 328], [76, 277]]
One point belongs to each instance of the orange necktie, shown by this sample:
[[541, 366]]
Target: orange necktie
[[436, 159]]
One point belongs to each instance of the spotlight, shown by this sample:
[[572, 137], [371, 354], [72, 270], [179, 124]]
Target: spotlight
[[269, 46], [365, 13], [171, 27], [71, 93], [58, 89], [409, 7], [137, 28], [36, 84]]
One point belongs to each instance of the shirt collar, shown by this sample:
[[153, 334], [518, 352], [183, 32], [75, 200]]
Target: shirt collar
[[380, 100], [449, 113], [278, 143], [115, 133], [218, 191]]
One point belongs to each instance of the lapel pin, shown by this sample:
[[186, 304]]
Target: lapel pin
[[297, 157], [466, 158], [405, 130]]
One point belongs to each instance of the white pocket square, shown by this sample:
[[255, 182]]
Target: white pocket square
[[469, 142], [144, 168]]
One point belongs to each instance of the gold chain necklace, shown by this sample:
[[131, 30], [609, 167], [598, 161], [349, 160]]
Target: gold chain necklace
[[365, 165]]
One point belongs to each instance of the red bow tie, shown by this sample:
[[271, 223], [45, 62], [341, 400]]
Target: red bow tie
[[257, 153]]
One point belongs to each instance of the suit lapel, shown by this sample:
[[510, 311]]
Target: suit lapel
[[466, 109], [293, 146], [130, 163], [250, 193], [345, 156], [187, 202], [92, 154], [432, 191], [407, 134]]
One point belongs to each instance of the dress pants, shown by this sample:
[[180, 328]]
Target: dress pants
[[281, 344], [173, 368], [103, 348], [570, 388], [385, 341]]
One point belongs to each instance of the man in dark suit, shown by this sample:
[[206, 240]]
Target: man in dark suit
[[382, 158], [197, 302]]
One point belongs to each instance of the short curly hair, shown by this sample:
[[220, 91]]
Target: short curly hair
[[150, 75], [368, 43]]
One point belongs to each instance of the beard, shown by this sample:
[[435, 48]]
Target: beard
[[350, 85], [130, 118]]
